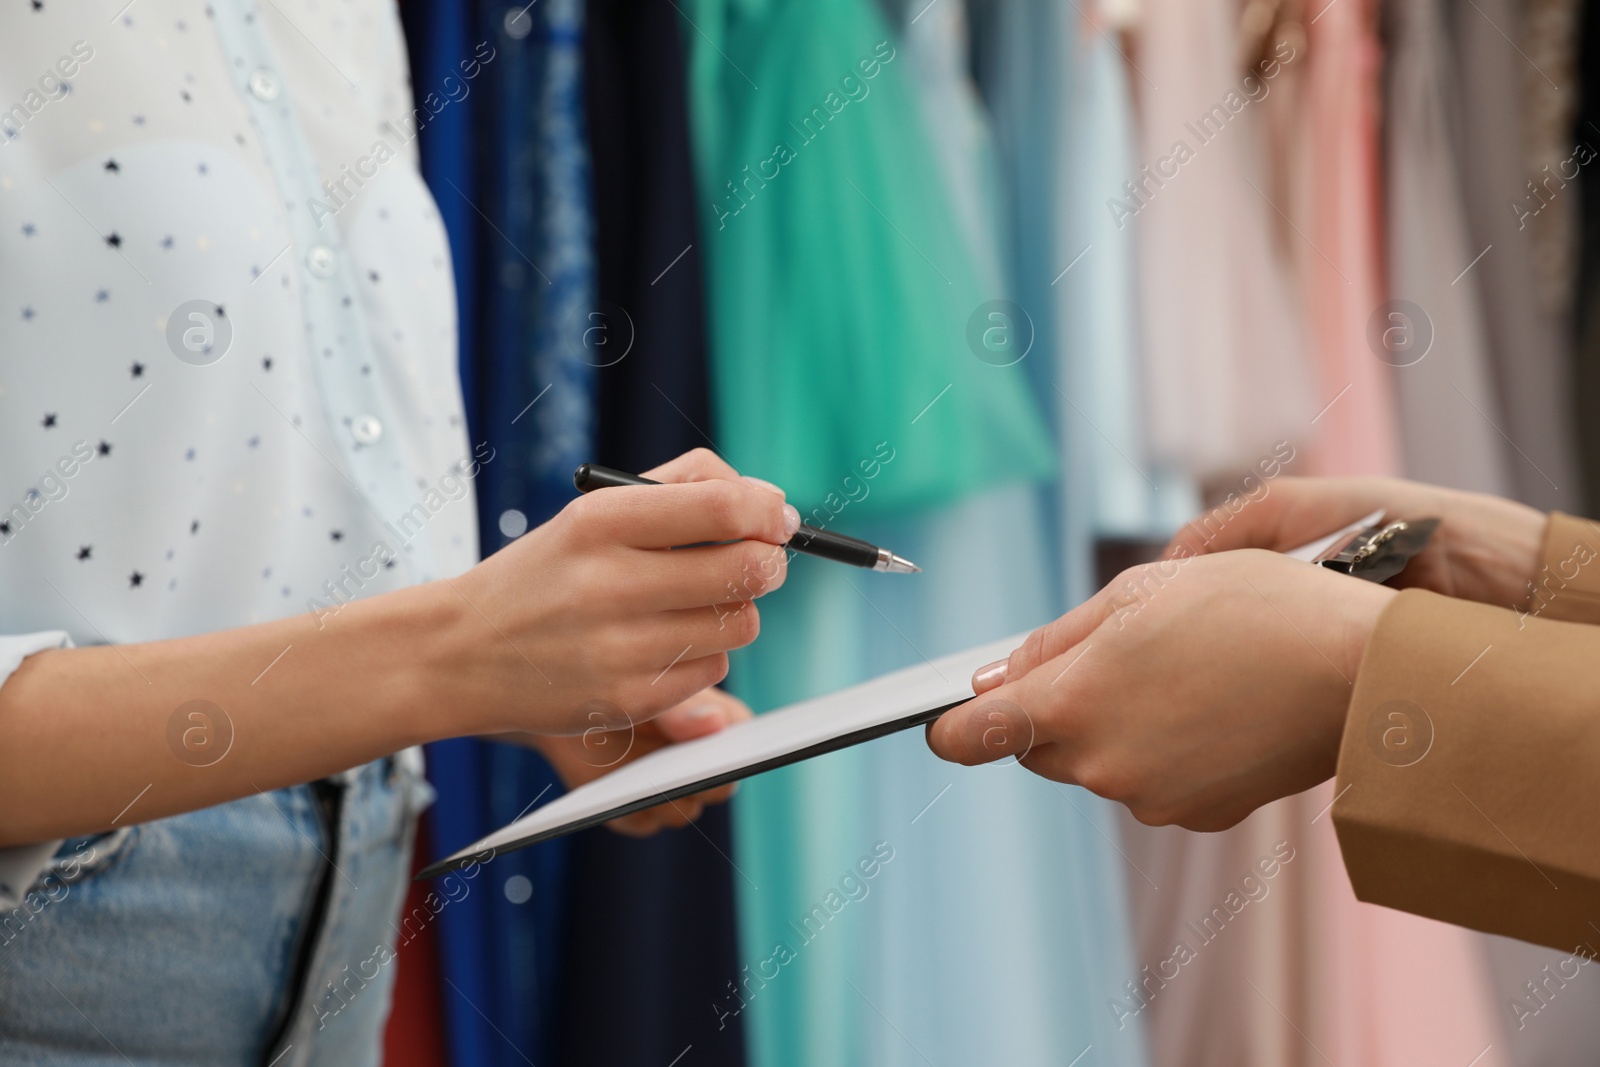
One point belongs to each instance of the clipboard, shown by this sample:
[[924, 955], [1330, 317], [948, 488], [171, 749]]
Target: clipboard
[[877, 708], [865, 712]]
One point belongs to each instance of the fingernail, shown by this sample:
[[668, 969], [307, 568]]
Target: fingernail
[[700, 712], [989, 675], [762, 483], [791, 521]]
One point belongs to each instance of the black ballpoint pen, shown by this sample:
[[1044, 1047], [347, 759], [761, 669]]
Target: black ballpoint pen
[[808, 539]]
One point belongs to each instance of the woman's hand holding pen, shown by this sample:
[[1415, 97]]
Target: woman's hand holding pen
[[588, 624], [595, 620]]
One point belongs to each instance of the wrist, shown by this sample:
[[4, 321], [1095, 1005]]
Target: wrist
[[1521, 553], [1499, 562], [420, 672], [1362, 605]]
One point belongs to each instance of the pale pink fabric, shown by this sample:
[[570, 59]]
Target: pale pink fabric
[[1225, 373], [1340, 261], [1306, 975]]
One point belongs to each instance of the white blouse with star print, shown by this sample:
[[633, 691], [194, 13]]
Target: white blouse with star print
[[227, 323]]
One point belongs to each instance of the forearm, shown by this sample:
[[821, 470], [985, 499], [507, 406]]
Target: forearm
[[588, 615], [83, 732]]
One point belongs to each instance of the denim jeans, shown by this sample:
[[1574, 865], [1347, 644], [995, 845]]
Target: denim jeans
[[243, 934]]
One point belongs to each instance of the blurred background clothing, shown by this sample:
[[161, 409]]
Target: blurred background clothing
[[1057, 276], [564, 178]]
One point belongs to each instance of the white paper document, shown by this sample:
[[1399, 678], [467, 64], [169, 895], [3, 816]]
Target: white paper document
[[883, 706], [1316, 548]]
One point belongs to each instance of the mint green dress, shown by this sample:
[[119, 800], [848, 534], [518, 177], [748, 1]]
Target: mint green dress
[[841, 285], [841, 292]]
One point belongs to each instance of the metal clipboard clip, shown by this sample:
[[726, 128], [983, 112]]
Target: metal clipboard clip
[[1379, 551]]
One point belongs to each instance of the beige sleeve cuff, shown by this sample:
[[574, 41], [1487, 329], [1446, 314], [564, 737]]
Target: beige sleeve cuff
[[1567, 587], [1466, 782]]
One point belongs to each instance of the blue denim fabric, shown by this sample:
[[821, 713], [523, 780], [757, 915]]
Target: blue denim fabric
[[175, 942]]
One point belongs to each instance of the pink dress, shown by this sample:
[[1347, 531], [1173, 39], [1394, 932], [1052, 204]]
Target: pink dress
[[1302, 973]]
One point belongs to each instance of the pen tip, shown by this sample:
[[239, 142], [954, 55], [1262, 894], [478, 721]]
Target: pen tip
[[901, 565]]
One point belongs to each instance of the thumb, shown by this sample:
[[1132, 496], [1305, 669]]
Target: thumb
[[689, 721], [701, 715], [1236, 522], [982, 731], [1050, 640]]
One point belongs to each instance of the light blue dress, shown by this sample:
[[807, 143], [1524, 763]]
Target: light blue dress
[[998, 930]]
